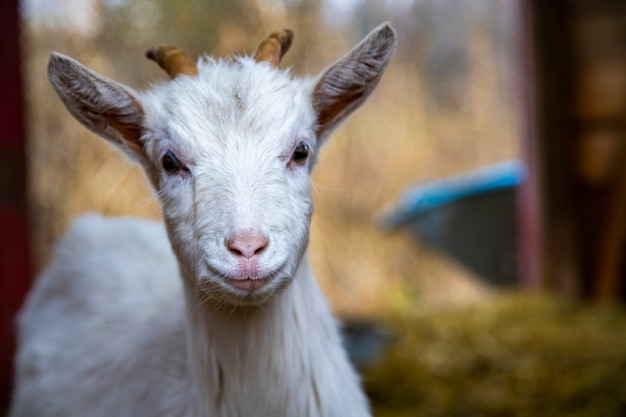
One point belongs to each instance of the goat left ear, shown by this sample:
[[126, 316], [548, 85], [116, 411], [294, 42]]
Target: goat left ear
[[345, 85], [104, 106]]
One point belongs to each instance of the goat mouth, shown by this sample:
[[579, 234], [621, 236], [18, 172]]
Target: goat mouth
[[248, 284]]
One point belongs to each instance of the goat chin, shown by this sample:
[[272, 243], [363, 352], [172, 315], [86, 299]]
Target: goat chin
[[216, 311]]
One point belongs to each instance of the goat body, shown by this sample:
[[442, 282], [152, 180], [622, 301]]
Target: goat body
[[217, 313]]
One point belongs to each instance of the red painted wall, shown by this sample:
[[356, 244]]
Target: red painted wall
[[14, 248]]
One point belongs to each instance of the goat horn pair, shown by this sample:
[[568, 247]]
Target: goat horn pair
[[272, 49], [176, 62], [173, 60]]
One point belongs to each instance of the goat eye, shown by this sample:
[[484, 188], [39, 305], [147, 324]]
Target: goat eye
[[301, 153], [170, 163]]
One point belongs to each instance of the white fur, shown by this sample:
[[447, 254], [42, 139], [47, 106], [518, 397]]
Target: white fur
[[118, 325]]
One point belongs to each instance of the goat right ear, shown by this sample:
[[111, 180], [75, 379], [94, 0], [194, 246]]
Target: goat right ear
[[103, 106], [345, 85]]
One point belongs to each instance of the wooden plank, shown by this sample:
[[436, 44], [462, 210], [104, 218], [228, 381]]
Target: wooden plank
[[612, 242], [600, 105]]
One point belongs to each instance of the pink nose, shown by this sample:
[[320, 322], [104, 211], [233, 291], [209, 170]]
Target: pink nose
[[247, 244]]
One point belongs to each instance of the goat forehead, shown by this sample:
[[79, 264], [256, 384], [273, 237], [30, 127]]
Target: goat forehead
[[236, 101]]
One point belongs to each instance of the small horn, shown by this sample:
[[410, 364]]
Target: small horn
[[173, 60], [273, 48]]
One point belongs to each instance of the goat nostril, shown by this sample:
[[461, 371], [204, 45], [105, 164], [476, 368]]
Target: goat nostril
[[234, 250], [247, 245]]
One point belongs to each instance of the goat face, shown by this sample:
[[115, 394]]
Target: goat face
[[229, 146], [231, 161]]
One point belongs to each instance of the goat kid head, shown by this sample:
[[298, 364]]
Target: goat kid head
[[229, 146]]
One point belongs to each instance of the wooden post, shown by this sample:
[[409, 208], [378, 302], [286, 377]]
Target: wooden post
[[550, 235], [14, 248], [530, 220]]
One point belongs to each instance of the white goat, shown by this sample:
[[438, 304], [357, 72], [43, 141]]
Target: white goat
[[108, 329]]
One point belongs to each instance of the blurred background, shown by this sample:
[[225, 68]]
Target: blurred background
[[465, 90], [444, 106]]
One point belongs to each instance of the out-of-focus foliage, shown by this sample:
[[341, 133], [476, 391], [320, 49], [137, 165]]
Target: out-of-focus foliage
[[445, 105], [509, 356]]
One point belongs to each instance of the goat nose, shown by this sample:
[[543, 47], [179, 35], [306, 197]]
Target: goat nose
[[247, 244]]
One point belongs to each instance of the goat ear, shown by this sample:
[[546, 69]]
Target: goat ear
[[345, 85], [103, 106]]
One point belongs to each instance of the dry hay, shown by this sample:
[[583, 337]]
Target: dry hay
[[510, 356]]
